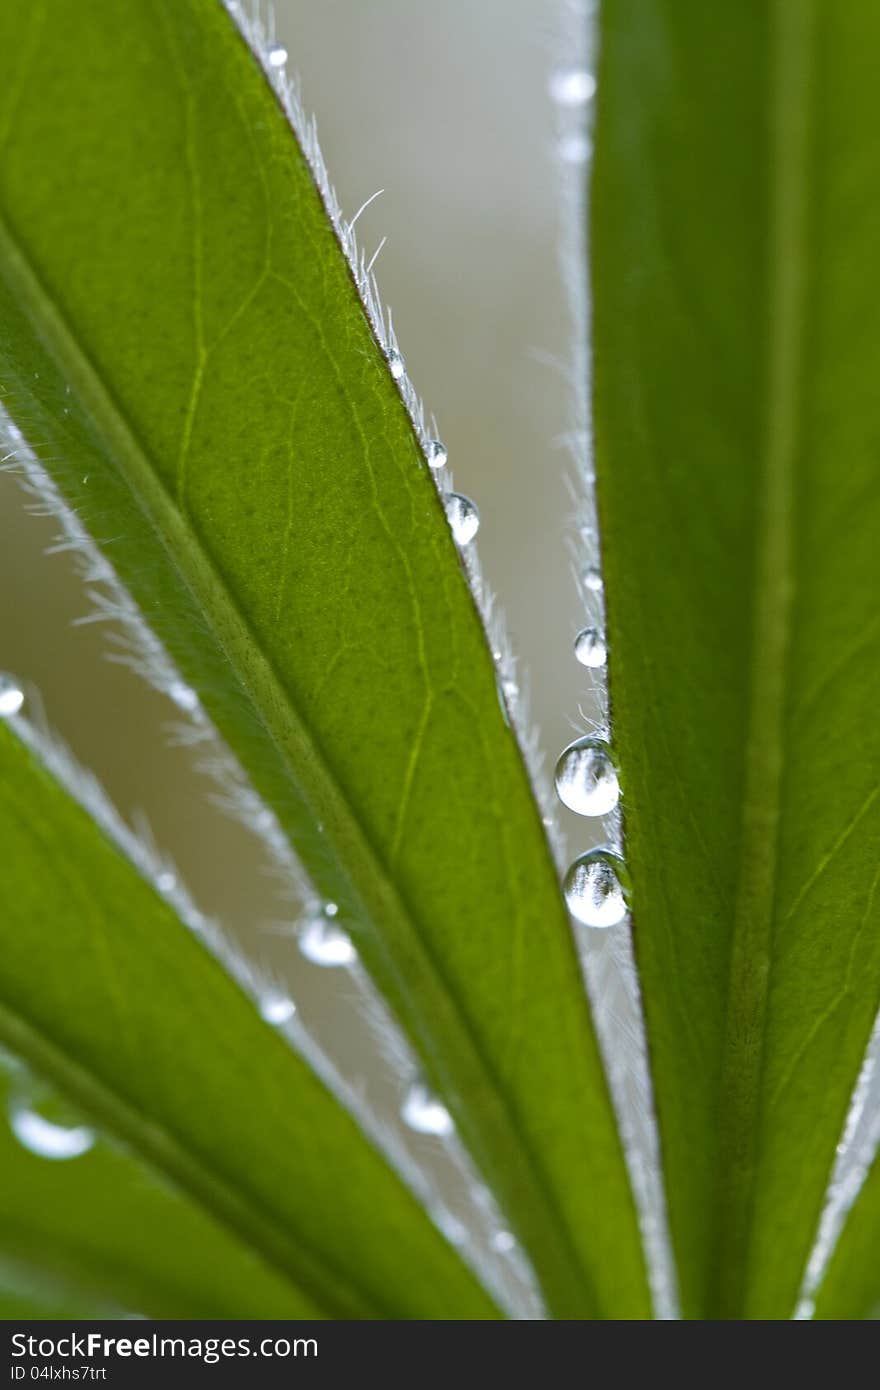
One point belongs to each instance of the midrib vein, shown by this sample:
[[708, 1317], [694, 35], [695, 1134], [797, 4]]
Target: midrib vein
[[417, 979], [789, 66]]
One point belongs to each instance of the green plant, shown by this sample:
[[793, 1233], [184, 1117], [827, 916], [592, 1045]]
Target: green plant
[[199, 380]]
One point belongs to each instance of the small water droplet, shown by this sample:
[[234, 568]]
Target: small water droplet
[[590, 648], [502, 1242], [593, 579], [395, 365], [575, 148], [594, 889], [331, 909], [572, 87], [586, 778], [265, 819], [463, 518], [277, 55], [435, 453], [324, 944], [166, 882], [47, 1128], [277, 1008], [183, 696], [424, 1113], [11, 696]]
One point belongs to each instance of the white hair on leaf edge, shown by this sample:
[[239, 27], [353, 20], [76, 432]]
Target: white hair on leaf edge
[[607, 956], [856, 1152]]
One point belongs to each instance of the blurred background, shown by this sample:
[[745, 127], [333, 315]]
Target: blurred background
[[446, 107]]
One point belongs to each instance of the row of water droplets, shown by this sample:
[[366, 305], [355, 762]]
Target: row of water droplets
[[596, 884], [586, 774]]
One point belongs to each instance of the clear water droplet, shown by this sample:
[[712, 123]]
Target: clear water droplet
[[572, 86], [277, 1008], [586, 778], [331, 909], [11, 696], [277, 55], [502, 1242], [463, 518], [590, 648], [575, 148], [166, 881], [325, 944], [435, 453], [594, 889], [47, 1128], [593, 579], [183, 696], [395, 365], [423, 1112]]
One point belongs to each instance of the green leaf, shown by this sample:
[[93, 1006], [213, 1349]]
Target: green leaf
[[106, 994], [736, 207], [850, 1288], [100, 1227], [183, 343]]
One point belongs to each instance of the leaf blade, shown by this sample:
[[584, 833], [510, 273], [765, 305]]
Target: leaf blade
[[746, 382], [276, 471], [110, 997]]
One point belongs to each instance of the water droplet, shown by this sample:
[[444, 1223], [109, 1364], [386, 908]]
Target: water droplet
[[586, 778], [183, 696], [11, 696], [166, 881], [463, 517], [590, 648], [277, 1008], [395, 365], [265, 819], [593, 579], [594, 889], [324, 944], [423, 1112], [277, 55], [502, 1242], [331, 909], [572, 87], [46, 1127], [435, 453], [575, 148]]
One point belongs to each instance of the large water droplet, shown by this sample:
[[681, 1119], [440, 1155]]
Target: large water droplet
[[46, 1127], [423, 1112], [572, 87], [11, 696], [325, 944], [435, 453], [395, 365], [276, 1007], [277, 55], [463, 517], [586, 778], [590, 648], [594, 889]]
